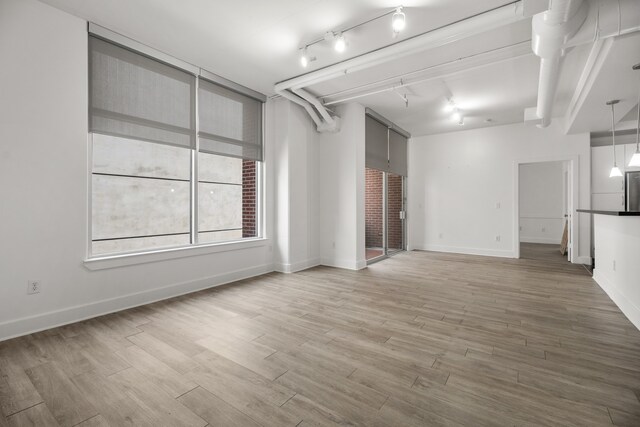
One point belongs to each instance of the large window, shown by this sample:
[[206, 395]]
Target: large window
[[176, 158]]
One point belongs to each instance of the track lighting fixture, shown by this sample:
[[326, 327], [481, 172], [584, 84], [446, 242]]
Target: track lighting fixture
[[615, 170], [340, 44], [398, 21], [449, 106], [305, 59]]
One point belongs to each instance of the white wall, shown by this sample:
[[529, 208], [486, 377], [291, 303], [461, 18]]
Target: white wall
[[542, 202], [342, 186], [617, 240], [457, 181], [43, 174], [297, 233]]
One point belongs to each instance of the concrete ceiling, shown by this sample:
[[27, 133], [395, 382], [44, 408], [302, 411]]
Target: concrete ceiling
[[256, 43]]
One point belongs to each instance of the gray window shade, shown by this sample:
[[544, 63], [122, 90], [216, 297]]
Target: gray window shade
[[397, 153], [230, 123], [136, 97], [375, 145]]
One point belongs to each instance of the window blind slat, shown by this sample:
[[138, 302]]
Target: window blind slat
[[230, 123], [375, 145], [137, 97]]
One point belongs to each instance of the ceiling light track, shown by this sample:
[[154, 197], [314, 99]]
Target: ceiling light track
[[486, 58]]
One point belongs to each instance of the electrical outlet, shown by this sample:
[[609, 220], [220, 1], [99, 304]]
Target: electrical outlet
[[498, 205], [497, 238], [33, 287], [440, 236], [614, 265]]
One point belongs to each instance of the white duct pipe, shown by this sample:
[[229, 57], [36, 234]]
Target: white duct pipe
[[314, 101], [304, 104], [550, 31]]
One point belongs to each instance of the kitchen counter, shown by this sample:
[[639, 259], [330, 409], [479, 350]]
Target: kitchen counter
[[617, 259], [613, 213]]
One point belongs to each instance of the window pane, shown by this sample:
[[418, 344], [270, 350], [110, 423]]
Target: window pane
[[141, 195], [227, 198]]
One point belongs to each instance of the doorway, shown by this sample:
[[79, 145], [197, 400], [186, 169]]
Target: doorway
[[544, 211], [384, 214]]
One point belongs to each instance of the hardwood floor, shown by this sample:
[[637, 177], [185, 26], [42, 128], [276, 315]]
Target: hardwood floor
[[542, 252], [418, 339]]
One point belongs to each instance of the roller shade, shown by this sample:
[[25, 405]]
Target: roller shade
[[230, 123], [376, 145], [397, 153], [134, 96]]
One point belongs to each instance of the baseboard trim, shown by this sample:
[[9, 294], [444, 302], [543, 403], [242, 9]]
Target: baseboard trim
[[27, 325], [297, 266], [543, 240], [466, 251], [346, 264], [624, 304], [586, 260]]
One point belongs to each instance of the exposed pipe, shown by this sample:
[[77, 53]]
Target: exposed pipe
[[468, 27], [550, 31], [570, 23], [304, 104]]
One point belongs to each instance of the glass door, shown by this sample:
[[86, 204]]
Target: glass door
[[395, 213], [384, 214], [374, 214]]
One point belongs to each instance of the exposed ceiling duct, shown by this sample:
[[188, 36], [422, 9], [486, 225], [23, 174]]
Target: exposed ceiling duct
[[570, 23], [292, 89]]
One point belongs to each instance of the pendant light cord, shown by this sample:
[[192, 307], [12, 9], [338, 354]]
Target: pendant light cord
[[613, 134], [638, 125]]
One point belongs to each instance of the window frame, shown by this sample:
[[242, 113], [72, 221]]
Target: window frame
[[194, 248]]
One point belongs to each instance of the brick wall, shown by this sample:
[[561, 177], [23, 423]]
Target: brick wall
[[249, 205], [373, 210]]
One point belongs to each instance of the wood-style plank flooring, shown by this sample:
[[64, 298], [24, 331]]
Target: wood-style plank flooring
[[418, 339]]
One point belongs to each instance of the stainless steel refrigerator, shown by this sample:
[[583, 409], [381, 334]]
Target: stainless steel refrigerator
[[632, 183]]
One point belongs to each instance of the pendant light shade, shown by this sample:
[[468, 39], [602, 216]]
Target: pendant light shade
[[635, 160], [615, 170]]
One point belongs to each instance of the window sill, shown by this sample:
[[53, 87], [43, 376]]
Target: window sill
[[114, 261]]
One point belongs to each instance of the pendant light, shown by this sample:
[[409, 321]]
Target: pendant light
[[635, 160], [615, 170]]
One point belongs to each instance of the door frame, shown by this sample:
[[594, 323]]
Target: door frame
[[572, 202]]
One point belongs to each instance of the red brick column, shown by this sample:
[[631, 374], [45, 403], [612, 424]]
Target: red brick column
[[249, 201]]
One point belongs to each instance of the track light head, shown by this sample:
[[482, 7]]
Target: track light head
[[340, 44], [456, 116], [449, 106], [304, 58], [398, 21]]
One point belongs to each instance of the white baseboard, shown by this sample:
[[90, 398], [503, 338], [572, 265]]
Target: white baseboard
[[466, 251], [52, 319], [586, 260], [297, 266], [346, 264], [543, 240], [624, 304]]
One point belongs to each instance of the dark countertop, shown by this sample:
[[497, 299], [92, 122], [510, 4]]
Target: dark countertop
[[614, 213]]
